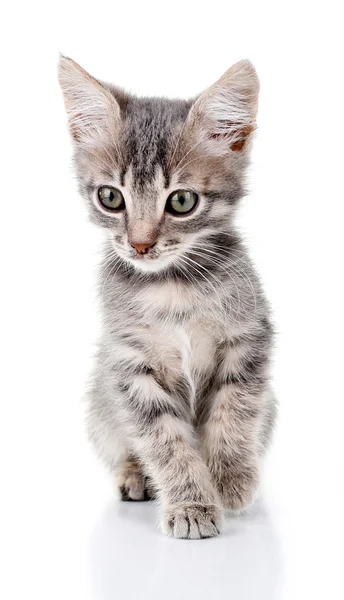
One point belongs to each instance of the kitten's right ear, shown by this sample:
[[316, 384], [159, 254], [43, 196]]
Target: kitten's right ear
[[94, 113], [224, 116]]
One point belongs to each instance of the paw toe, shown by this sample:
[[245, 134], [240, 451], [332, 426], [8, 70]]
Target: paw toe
[[132, 484], [192, 521]]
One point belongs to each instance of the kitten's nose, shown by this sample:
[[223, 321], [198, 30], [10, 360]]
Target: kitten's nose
[[142, 247]]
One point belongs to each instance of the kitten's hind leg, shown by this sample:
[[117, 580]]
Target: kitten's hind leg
[[132, 483], [231, 455]]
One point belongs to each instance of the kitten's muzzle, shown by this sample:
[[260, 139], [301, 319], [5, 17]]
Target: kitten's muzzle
[[142, 247]]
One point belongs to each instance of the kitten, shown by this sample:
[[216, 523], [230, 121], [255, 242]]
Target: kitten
[[180, 406]]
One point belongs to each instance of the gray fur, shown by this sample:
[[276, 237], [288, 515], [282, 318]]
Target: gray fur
[[180, 403]]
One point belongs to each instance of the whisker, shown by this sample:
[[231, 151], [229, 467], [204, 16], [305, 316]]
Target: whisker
[[187, 153], [192, 262], [188, 163], [177, 144], [98, 158], [229, 270]]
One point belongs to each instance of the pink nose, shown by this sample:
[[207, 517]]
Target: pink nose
[[142, 248]]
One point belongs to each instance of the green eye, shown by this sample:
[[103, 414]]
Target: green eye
[[111, 198], [181, 202]]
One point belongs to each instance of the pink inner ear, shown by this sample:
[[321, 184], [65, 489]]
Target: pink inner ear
[[244, 133]]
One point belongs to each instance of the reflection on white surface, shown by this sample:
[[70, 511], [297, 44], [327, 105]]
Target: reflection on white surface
[[130, 558]]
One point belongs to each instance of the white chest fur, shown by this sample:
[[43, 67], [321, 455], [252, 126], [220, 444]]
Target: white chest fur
[[188, 343]]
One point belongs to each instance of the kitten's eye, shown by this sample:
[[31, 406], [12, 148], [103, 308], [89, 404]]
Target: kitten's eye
[[181, 202], [111, 198]]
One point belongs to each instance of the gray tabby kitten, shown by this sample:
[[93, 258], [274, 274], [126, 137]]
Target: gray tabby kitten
[[180, 406]]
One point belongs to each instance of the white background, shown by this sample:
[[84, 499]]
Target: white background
[[62, 535]]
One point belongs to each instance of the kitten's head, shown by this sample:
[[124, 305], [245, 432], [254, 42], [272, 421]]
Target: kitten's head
[[162, 176]]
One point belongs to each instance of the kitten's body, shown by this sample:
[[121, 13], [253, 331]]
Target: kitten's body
[[180, 404]]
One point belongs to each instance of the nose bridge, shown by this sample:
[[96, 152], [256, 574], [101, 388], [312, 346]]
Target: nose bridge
[[143, 218], [142, 231]]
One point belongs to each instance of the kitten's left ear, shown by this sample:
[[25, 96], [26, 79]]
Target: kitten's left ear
[[223, 117], [94, 113]]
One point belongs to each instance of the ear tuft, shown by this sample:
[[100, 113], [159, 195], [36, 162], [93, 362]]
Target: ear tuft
[[92, 110], [223, 117]]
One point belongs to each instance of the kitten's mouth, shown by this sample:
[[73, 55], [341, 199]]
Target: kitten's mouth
[[148, 261], [139, 256]]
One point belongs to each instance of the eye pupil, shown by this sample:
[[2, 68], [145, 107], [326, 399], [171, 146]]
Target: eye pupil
[[111, 198], [181, 202]]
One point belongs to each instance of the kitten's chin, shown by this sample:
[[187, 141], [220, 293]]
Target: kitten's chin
[[149, 265], [146, 265]]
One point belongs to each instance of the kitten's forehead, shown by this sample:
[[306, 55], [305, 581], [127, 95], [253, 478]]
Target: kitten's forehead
[[151, 129], [143, 199]]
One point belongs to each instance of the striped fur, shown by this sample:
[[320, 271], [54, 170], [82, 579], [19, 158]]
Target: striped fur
[[180, 404]]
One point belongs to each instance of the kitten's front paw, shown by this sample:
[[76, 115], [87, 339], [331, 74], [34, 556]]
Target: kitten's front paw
[[238, 490], [192, 521], [132, 483]]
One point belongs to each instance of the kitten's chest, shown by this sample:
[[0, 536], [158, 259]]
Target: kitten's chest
[[188, 348], [203, 336], [187, 327]]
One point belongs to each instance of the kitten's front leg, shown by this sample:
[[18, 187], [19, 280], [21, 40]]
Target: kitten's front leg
[[158, 427], [236, 425]]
